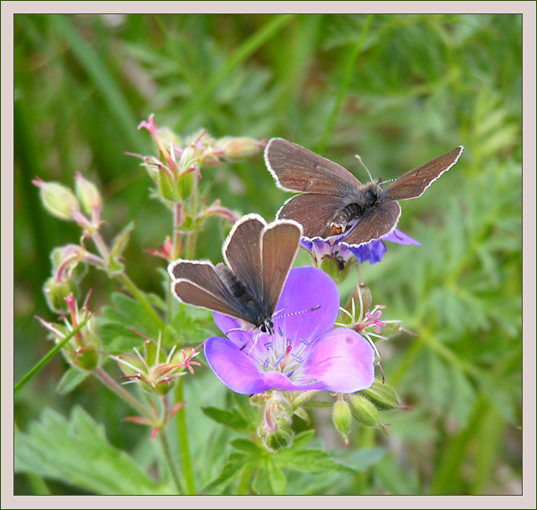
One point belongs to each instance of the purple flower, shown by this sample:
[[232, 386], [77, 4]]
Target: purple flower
[[304, 353], [343, 252]]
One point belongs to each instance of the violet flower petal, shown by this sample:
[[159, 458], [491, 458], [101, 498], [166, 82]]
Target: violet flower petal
[[400, 237], [305, 288], [233, 366], [343, 360]]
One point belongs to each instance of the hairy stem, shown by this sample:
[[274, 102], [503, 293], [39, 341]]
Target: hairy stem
[[122, 392], [184, 446]]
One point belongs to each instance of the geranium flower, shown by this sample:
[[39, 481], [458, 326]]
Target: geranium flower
[[342, 252], [304, 353]]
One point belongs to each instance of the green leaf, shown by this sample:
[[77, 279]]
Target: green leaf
[[70, 380], [76, 452], [247, 446], [230, 472], [361, 460], [120, 241], [269, 479], [232, 419], [310, 461]]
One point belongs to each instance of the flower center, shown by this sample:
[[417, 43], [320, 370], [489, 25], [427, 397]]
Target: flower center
[[281, 354]]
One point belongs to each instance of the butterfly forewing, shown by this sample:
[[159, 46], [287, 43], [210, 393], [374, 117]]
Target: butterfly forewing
[[242, 252], [375, 224], [414, 183], [313, 212], [191, 294], [198, 284], [298, 169], [280, 244]]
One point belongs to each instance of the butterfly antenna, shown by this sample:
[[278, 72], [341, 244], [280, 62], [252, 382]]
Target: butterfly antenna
[[363, 164], [297, 313]]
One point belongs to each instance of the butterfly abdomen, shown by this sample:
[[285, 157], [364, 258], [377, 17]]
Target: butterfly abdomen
[[367, 198]]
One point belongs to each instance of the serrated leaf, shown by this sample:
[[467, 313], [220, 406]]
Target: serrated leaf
[[76, 452], [310, 461], [276, 478], [121, 240], [269, 479], [230, 472], [463, 396], [302, 439], [70, 380], [247, 446], [232, 419], [362, 460]]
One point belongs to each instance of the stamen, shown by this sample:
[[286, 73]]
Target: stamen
[[297, 358], [280, 359], [268, 345], [304, 341], [280, 331], [290, 373], [266, 364]]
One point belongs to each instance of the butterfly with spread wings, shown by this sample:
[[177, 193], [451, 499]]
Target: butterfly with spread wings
[[332, 201]]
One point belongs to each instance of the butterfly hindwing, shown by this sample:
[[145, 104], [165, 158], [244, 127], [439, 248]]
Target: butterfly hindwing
[[376, 223], [314, 212], [280, 244]]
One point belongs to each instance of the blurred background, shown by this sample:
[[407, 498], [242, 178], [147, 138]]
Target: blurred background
[[397, 89]]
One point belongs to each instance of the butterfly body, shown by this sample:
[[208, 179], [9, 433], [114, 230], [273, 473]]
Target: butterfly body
[[332, 201]]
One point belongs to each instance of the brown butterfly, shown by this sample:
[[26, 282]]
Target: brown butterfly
[[248, 286], [333, 201]]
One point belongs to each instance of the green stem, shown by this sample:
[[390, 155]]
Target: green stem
[[122, 392], [101, 246], [140, 296], [168, 456], [45, 359], [347, 75], [184, 446]]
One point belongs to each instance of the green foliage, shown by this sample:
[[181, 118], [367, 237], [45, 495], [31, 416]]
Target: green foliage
[[396, 89], [77, 452]]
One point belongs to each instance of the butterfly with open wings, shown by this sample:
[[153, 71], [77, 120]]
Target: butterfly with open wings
[[332, 201]]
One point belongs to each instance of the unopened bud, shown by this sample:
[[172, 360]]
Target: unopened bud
[[383, 396], [334, 268], [237, 148], [56, 291], [360, 294], [342, 419], [87, 194], [277, 439], [364, 411], [58, 199]]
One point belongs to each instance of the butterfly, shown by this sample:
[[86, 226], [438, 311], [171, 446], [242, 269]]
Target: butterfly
[[332, 201], [258, 258]]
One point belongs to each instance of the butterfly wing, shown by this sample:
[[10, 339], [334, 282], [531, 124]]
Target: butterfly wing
[[376, 223], [280, 244], [414, 183], [314, 212], [242, 252], [298, 169], [198, 284]]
